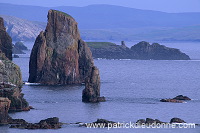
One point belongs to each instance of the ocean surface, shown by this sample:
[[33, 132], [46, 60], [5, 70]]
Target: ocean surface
[[132, 88]]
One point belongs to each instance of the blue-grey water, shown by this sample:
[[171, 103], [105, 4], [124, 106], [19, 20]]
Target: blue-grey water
[[132, 88]]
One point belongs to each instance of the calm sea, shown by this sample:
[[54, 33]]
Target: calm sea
[[132, 88]]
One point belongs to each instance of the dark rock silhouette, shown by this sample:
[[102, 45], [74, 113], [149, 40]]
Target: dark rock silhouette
[[5, 41], [107, 50], [177, 120], [171, 100], [181, 97], [91, 93], [50, 123], [18, 48], [142, 51], [177, 99]]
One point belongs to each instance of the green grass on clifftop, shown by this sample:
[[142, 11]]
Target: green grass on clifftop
[[100, 44]]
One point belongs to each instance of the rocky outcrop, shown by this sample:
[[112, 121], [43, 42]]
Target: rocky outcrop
[[181, 97], [91, 93], [4, 107], [142, 51], [59, 56], [5, 41], [18, 48], [11, 84], [50, 123], [107, 50], [148, 121], [171, 100], [10, 74], [177, 99], [177, 120]]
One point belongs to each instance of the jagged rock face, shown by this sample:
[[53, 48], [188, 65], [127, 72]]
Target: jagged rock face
[[143, 50], [91, 93], [4, 107], [59, 56], [10, 85], [5, 41]]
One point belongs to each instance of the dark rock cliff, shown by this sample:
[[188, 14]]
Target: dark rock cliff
[[5, 41], [10, 76], [142, 51], [59, 55], [145, 51]]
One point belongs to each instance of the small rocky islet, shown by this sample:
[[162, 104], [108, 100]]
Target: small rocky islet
[[177, 99], [59, 56]]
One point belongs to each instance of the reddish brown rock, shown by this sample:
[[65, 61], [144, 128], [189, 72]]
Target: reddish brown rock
[[59, 56], [91, 93], [5, 41], [4, 107]]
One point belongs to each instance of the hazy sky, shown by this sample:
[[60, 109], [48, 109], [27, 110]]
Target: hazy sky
[[158, 5]]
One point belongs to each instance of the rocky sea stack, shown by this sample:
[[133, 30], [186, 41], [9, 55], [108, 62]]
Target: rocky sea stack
[[59, 55]]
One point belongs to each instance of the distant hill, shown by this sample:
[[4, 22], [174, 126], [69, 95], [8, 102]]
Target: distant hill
[[105, 22], [21, 29], [106, 16]]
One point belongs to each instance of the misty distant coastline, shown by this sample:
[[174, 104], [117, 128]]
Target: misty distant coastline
[[119, 23]]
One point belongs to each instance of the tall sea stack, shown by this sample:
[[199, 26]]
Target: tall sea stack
[[59, 55]]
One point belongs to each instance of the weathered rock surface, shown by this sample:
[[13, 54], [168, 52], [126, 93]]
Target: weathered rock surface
[[91, 93], [5, 41], [4, 107], [142, 51], [59, 56], [10, 74], [11, 84], [50, 123]]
